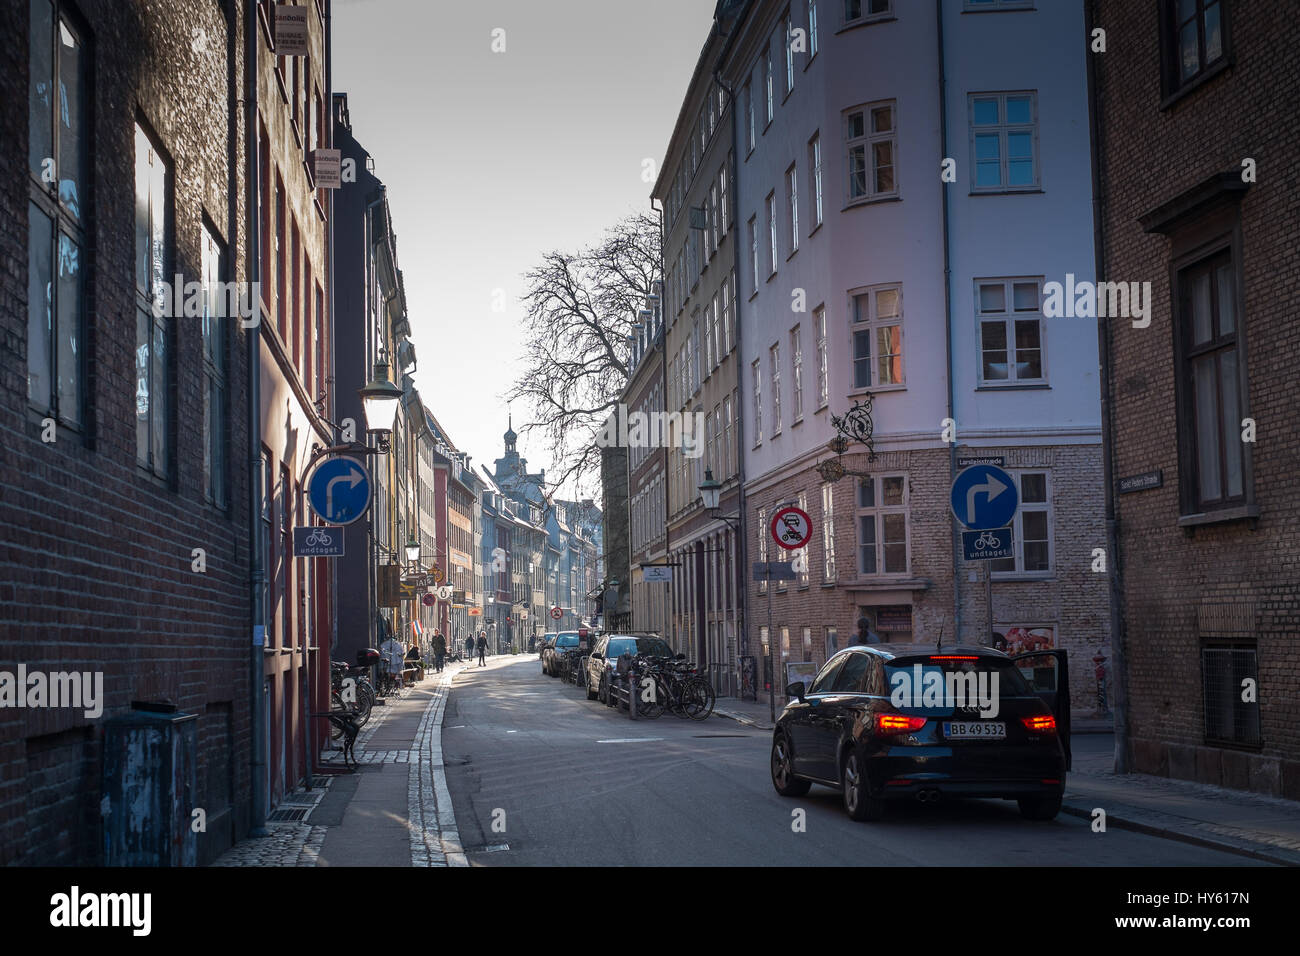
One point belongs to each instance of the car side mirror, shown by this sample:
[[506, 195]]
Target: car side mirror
[[797, 689], [597, 655]]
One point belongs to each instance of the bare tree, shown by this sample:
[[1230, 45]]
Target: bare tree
[[580, 311]]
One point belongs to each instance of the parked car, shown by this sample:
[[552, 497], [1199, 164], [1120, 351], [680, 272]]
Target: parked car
[[604, 658], [554, 650], [545, 639], [856, 729]]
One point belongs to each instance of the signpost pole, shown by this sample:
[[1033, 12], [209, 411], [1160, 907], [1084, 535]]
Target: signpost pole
[[771, 659], [988, 597]]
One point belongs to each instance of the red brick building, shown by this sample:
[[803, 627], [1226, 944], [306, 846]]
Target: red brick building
[[1196, 137], [123, 483]]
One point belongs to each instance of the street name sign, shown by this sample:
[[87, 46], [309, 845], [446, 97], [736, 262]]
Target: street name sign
[[774, 571], [656, 572], [983, 497], [339, 490]]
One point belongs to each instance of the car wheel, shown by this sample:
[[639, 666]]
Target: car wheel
[[783, 778], [858, 801], [1039, 808]]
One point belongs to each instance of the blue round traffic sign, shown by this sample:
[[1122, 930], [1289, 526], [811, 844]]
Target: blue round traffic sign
[[339, 490], [984, 497]]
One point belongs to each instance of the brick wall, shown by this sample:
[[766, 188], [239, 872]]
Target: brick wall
[[95, 556], [1174, 577]]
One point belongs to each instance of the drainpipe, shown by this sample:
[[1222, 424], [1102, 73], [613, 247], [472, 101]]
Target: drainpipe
[[740, 580], [253, 339], [1119, 677], [372, 611], [947, 311]]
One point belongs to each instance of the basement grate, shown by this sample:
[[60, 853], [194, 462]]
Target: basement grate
[[288, 815]]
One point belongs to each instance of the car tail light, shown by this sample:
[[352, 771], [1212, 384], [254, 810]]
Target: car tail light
[[898, 723], [1040, 724], [1049, 780], [954, 657]]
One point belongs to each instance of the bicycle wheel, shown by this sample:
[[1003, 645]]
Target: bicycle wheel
[[336, 703], [699, 693], [365, 701]]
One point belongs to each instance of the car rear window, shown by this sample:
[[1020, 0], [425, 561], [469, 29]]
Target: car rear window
[[567, 640], [1011, 683]]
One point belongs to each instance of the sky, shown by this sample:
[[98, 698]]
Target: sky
[[493, 159]]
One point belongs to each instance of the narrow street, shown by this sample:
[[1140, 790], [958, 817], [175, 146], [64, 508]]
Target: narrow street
[[581, 784]]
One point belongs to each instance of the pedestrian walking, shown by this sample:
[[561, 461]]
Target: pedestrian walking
[[394, 659], [482, 651], [439, 649]]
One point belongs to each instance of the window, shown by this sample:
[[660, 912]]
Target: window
[[1194, 40], [1011, 331], [862, 11], [714, 217], [728, 427], [59, 126], [1212, 452], [878, 337], [767, 84], [709, 359], [832, 641], [792, 201], [789, 54], [771, 232], [812, 28], [882, 525], [823, 378], [1225, 668], [999, 4], [724, 210], [815, 167], [281, 242], [728, 332], [1004, 141], [757, 369], [828, 532], [800, 557], [1031, 527], [215, 337], [715, 332], [796, 380], [749, 110], [761, 529], [153, 321], [774, 355], [871, 137], [753, 250]]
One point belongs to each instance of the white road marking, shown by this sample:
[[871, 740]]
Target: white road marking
[[629, 740]]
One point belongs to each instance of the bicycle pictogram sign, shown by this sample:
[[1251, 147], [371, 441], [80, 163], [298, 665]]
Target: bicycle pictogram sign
[[317, 542]]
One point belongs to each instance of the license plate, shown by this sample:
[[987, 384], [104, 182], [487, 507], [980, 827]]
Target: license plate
[[975, 730]]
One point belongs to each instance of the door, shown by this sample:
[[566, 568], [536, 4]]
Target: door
[[807, 723], [1048, 675], [838, 711]]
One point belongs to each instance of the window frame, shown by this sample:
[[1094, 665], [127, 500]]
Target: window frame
[[823, 358], [865, 16], [1008, 319], [161, 327], [796, 374], [815, 175], [872, 326], [774, 373], [215, 376], [867, 142], [1003, 129], [877, 512], [792, 205], [1172, 85], [1048, 507], [47, 200], [829, 573], [773, 250]]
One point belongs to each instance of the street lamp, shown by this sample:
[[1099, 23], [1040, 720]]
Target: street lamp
[[379, 401], [710, 490], [412, 550]]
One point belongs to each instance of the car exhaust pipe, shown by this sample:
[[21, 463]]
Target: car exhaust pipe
[[928, 796]]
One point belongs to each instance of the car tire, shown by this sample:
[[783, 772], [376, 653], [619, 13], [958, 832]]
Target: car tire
[[782, 766], [856, 791], [1039, 808]]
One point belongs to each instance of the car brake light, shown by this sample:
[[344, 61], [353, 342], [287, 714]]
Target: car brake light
[[898, 723], [954, 657], [1040, 724]]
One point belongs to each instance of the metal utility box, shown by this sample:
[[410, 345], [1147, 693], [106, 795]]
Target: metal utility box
[[150, 785]]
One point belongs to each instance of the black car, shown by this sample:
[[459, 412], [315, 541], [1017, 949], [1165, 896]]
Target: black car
[[895, 722], [604, 658], [564, 641]]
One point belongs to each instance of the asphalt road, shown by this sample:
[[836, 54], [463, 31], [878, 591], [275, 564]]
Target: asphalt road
[[541, 776]]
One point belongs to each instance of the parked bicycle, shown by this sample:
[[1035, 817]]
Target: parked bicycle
[[673, 685], [350, 691]]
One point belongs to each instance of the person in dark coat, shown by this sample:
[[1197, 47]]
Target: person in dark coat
[[482, 650], [439, 649]]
